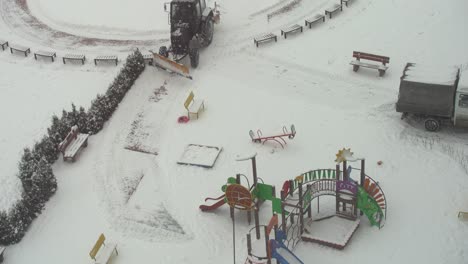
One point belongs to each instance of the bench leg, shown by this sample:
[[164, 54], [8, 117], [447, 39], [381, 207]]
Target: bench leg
[[35, 56], [63, 59], [355, 68], [381, 73]]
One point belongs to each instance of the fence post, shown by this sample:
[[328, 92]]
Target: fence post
[[249, 245], [301, 209], [267, 239], [309, 211], [291, 188], [345, 171], [363, 175], [283, 218], [337, 168]]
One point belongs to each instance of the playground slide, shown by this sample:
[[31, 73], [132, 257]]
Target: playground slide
[[283, 255], [369, 206], [212, 207]]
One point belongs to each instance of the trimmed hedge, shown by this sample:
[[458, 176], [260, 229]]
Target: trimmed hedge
[[35, 167]]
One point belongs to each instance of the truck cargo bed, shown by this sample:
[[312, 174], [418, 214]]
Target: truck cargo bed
[[427, 91]]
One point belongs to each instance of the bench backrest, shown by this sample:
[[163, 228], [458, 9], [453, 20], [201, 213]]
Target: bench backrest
[[69, 138], [189, 100], [97, 246], [367, 56]]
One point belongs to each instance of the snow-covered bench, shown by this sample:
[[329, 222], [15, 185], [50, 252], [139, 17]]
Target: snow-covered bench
[[192, 106], [79, 57], [291, 29], [106, 58], [265, 38], [310, 21], [101, 252], [148, 58], [3, 43], [345, 2], [2, 249], [333, 9], [367, 56], [72, 143], [48, 54], [21, 49]]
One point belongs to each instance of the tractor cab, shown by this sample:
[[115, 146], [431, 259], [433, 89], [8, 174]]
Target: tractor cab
[[191, 28]]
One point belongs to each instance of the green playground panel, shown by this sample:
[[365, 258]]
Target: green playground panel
[[276, 206], [264, 191], [369, 206]]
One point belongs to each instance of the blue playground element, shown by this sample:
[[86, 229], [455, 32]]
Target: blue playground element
[[281, 252]]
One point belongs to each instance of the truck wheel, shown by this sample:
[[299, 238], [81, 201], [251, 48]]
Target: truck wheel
[[207, 32], [194, 57], [432, 124], [163, 51]]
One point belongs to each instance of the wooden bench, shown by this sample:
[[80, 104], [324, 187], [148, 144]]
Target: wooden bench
[[192, 106], [291, 29], [333, 9], [49, 54], [148, 58], [74, 57], [4, 44], [105, 251], [72, 143], [265, 38], [345, 2], [2, 249], [367, 56], [106, 58], [310, 21], [19, 48]]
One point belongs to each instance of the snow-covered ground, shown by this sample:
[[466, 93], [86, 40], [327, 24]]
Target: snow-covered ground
[[148, 204]]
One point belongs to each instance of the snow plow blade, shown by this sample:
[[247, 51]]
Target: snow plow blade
[[171, 66]]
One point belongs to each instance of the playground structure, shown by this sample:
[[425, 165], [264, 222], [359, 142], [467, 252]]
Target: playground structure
[[279, 138], [294, 206]]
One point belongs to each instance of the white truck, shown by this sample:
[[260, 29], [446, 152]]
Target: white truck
[[436, 94]]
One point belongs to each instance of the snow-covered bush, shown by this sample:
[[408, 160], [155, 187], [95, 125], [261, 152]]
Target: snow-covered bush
[[14, 225], [103, 106]]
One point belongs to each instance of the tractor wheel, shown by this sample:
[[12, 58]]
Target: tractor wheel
[[207, 32], [163, 51], [431, 124], [194, 57]]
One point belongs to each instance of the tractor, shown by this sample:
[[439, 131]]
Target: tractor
[[191, 29]]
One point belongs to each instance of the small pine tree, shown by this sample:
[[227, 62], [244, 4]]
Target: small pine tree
[[19, 220], [5, 229], [26, 168], [82, 120], [43, 180], [47, 149]]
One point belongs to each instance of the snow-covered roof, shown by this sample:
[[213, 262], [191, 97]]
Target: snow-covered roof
[[427, 74], [463, 82]]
